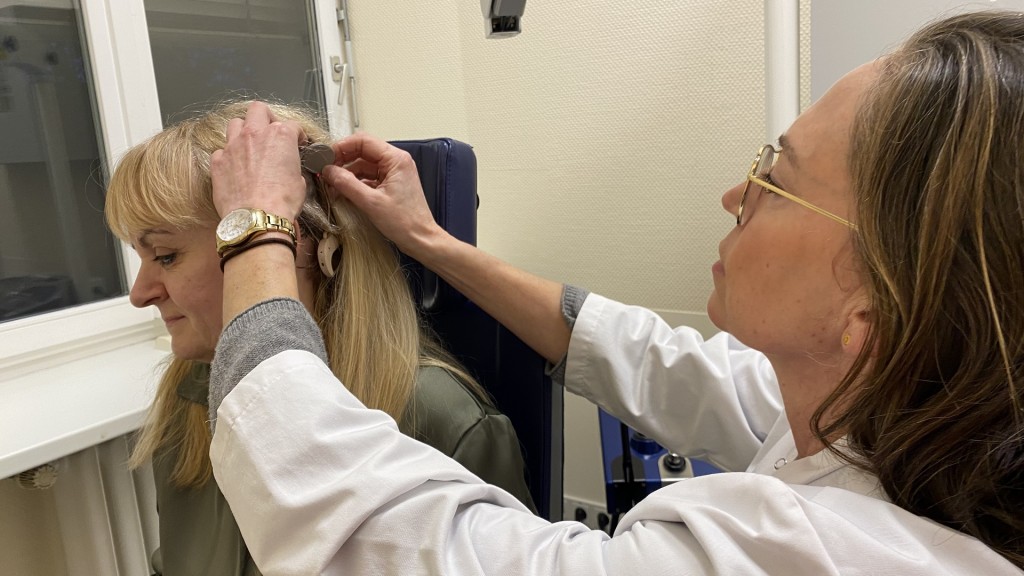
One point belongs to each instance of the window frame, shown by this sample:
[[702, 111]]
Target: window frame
[[76, 377], [116, 40], [117, 47]]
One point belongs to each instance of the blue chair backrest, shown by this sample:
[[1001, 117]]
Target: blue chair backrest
[[510, 371]]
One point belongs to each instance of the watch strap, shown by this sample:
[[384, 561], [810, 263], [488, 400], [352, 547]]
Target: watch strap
[[279, 224], [261, 222], [236, 250]]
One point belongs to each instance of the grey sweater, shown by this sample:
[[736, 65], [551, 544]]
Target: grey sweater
[[285, 324]]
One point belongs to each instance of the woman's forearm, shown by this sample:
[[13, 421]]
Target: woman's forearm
[[528, 305]]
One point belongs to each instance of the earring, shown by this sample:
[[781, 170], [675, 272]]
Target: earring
[[328, 249], [846, 339]]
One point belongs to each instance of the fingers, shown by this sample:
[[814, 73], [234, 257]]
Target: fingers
[[258, 114], [234, 128], [374, 161], [381, 180], [363, 169], [362, 146], [356, 190], [259, 164]]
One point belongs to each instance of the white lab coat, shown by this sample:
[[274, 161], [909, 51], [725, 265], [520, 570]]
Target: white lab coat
[[321, 485]]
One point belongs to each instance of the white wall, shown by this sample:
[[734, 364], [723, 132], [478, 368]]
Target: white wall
[[848, 34], [605, 134]]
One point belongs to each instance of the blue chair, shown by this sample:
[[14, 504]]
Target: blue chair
[[635, 466], [510, 371]]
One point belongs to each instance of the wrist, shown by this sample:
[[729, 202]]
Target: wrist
[[272, 199], [427, 245], [242, 225], [259, 272], [269, 239]]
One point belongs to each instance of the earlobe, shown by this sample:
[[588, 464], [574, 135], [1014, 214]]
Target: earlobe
[[858, 328], [328, 255]]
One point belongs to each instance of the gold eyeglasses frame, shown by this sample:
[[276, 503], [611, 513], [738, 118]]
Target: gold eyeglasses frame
[[753, 178]]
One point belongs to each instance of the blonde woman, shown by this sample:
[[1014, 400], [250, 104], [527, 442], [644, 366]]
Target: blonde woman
[[160, 201]]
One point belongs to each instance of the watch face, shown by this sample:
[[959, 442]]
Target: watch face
[[234, 225]]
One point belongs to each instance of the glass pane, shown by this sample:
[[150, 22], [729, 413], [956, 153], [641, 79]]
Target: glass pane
[[209, 51], [55, 250]]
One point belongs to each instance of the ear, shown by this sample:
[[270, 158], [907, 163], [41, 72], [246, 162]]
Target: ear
[[858, 325], [306, 250]]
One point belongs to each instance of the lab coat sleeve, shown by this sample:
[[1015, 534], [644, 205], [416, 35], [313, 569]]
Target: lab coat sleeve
[[714, 399], [321, 485], [258, 333]]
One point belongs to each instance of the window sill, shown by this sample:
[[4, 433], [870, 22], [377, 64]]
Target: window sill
[[62, 409]]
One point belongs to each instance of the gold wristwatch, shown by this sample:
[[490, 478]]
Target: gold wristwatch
[[238, 226]]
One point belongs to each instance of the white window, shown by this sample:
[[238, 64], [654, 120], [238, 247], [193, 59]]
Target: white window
[[80, 82], [210, 51]]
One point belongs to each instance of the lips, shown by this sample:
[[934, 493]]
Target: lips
[[172, 320]]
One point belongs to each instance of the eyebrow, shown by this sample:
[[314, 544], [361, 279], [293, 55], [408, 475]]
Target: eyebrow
[[787, 146], [144, 237]]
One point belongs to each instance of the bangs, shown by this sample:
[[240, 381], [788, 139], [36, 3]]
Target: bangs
[[165, 181], [146, 190]]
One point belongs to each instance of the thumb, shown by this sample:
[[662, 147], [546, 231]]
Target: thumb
[[348, 185]]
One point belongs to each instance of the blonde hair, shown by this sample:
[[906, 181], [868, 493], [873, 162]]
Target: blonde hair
[[366, 313]]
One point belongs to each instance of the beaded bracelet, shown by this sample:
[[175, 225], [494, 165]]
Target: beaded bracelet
[[254, 243]]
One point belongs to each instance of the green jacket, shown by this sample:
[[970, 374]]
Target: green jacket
[[198, 534]]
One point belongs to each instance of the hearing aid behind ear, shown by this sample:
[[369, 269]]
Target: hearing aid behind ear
[[314, 158], [328, 254], [328, 248]]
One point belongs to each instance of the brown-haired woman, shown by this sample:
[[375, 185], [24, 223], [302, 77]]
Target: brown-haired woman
[[872, 413]]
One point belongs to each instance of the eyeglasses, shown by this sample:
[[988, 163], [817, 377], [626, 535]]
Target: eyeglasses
[[759, 179]]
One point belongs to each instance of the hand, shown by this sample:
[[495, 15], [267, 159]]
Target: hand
[[381, 180], [259, 165]]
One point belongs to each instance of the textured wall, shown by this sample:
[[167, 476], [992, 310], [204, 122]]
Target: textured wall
[[805, 54], [606, 134], [30, 538]]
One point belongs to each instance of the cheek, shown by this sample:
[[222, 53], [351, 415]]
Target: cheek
[[765, 288], [213, 305], [205, 292], [751, 283]]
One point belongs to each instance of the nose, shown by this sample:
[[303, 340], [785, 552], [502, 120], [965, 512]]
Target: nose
[[731, 198], [147, 289]]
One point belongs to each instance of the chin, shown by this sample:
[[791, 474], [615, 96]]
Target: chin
[[185, 352], [715, 313]]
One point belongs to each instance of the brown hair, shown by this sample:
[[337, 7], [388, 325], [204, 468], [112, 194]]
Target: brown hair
[[372, 332], [935, 408]]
